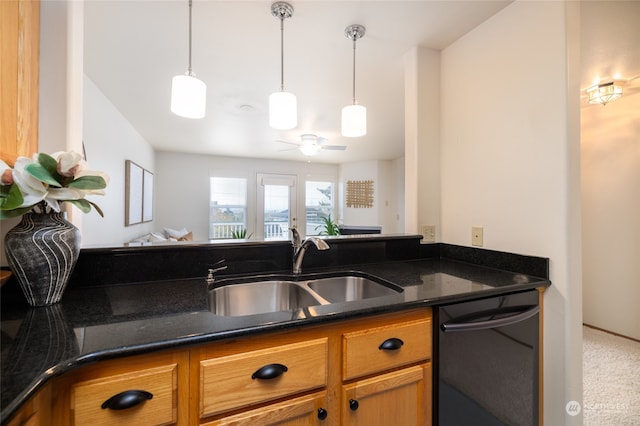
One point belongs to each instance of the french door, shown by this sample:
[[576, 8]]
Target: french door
[[276, 206]]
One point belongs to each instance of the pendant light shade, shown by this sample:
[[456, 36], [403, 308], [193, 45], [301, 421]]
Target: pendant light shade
[[283, 110], [354, 121], [188, 94], [283, 106], [354, 116]]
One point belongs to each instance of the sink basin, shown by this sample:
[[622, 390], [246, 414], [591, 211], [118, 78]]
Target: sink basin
[[271, 295], [349, 288], [259, 298]]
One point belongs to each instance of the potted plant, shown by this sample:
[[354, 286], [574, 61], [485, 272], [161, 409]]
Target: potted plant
[[43, 248], [329, 227]]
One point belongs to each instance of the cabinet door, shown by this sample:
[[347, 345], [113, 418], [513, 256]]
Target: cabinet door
[[396, 398], [304, 411]]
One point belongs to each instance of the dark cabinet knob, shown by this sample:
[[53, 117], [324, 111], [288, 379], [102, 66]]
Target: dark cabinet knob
[[392, 344], [269, 371], [322, 413], [126, 399], [353, 404]]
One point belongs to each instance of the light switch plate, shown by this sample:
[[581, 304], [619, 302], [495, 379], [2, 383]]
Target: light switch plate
[[429, 233], [476, 236]]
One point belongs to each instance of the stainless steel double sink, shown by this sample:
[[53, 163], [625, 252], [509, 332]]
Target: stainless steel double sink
[[269, 294]]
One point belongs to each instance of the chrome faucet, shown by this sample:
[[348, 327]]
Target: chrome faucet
[[299, 248], [218, 266]]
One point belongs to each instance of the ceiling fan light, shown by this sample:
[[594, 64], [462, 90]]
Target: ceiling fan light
[[309, 149], [354, 121], [283, 110], [188, 96]]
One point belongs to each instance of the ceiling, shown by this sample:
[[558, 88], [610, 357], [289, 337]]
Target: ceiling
[[134, 48]]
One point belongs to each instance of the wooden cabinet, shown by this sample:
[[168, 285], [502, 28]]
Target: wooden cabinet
[[143, 390], [19, 76], [306, 410], [247, 378], [36, 412], [368, 371], [402, 396]]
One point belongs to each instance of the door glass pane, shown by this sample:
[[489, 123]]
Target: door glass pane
[[276, 211], [318, 205]]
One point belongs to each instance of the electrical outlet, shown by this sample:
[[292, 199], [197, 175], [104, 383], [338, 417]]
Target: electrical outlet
[[476, 236], [429, 233]]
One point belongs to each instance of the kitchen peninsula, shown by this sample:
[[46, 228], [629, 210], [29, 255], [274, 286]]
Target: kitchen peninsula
[[143, 312]]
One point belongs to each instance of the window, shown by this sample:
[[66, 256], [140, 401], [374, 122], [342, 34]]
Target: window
[[228, 207], [318, 205]]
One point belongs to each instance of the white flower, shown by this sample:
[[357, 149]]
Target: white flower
[[69, 163], [32, 189]]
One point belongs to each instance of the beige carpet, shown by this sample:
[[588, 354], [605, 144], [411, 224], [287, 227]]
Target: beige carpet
[[611, 379]]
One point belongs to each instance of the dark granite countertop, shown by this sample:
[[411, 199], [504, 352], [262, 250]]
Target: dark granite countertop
[[96, 323]]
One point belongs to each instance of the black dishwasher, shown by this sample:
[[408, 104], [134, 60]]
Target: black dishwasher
[[488, 361]]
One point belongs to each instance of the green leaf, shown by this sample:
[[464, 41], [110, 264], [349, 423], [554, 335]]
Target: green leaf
[[41, 173], [49, 163], [7, 214], [89, 182], [11, 197], [82, 204], [85, 206], [98, 209]]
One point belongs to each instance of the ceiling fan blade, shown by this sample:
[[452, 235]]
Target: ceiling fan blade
[[287, 149], [320, 140], [334, 147], [287, 142]]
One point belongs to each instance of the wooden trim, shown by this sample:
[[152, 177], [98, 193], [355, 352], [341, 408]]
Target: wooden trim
[[610, 332]]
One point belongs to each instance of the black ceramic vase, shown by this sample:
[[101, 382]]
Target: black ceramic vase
[[42, 251]]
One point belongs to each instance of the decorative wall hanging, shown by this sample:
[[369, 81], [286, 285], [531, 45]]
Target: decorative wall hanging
[[138, 203], [360, 193]]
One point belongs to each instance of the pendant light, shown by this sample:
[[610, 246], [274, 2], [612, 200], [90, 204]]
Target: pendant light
[[283, 109], [354, 116], [188, 94]]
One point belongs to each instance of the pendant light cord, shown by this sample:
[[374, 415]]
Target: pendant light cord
[[189, 71], [354, 70], [281, 53]]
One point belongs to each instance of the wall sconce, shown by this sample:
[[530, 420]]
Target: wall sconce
[[283, 107], [603, 93]]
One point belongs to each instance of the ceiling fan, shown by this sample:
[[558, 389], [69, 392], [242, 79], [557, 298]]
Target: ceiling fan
[[311, 144]]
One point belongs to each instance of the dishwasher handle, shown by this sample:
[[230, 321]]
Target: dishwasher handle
[[467, 323]]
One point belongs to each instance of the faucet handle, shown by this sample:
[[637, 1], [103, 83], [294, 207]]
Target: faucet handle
[[218, 266]]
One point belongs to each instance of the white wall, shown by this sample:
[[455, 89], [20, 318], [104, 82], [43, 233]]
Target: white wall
[[109, 140], [509, 154], [387, 181], [611, 218], [422, 140], [182, 186]]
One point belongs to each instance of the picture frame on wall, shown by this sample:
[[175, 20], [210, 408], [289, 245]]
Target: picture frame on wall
[[138, 204]]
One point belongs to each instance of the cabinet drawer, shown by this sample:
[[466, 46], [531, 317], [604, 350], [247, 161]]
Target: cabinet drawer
[[161, 382], [303, 410], [410, 342], [227, 383]]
